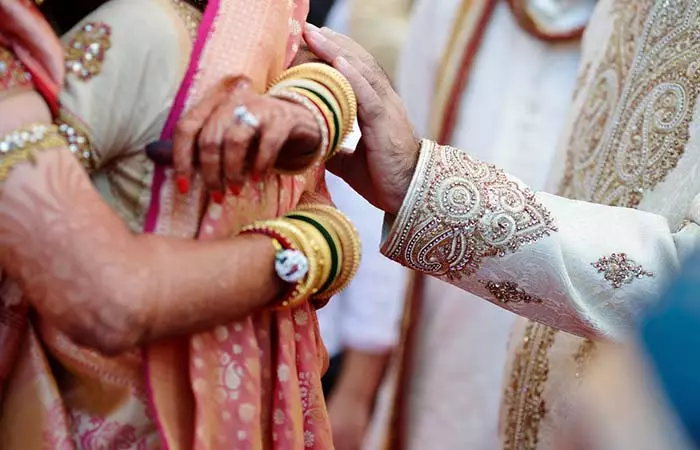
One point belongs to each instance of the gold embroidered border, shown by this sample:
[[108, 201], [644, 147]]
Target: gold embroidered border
[[524, 396]]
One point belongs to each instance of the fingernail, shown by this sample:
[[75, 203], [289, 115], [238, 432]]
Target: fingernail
[[311, 27], [217, 197], [183, 184], [235, 189], [316, 35], [256, 177]]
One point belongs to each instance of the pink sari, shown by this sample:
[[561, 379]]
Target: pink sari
[[253, 384]]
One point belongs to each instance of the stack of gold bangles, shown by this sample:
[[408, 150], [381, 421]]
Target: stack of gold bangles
[[317, 252], [327, 94]]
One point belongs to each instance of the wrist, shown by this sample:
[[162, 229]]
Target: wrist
[[403, 177], [26, 107]]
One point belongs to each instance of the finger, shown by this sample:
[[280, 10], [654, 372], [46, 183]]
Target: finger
[[339, 163], [369, 104], [323, 45], [210, 144], [274, 131], [330, 46], [186, 133], [237, 142]]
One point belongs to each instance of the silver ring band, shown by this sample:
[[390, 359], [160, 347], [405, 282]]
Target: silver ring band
[[245, 117]]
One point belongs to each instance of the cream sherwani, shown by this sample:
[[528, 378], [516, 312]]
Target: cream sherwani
[[584, 263], [510, 114]]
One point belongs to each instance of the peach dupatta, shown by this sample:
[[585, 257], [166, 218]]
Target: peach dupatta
[[255, 383]]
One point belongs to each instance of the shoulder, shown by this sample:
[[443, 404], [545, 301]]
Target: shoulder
[[128, 33]]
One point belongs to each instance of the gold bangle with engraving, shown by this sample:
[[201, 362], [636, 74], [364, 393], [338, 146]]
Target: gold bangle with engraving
[[20, 146], [333, 241], [349, 240], [321, 250]]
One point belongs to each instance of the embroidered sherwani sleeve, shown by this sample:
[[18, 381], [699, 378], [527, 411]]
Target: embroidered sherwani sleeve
[[580, 267]]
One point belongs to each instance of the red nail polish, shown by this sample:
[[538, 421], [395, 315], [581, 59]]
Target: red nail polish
[[256, 177], [183, 184], [235, 189], [217, 197]]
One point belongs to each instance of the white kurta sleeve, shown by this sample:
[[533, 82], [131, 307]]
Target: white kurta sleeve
[[580, 267]]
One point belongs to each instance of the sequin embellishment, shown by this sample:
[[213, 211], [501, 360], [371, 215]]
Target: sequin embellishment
[[85, 53], [13, 74], [618, 269], [509, 292]]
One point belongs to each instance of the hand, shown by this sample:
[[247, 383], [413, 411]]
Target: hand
[[349, 417], [231, 149], [382, 166]]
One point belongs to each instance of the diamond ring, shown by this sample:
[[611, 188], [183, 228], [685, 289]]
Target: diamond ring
[[245, 117]]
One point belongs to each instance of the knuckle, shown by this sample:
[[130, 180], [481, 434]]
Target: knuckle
[[187, 126]]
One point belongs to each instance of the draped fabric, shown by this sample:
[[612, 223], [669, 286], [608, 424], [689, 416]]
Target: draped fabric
[[255, 383], [252, 384]]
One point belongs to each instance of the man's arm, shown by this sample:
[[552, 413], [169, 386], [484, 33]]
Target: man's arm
[[580, 267]]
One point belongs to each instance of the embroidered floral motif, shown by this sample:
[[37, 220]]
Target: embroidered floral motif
[[13, 74], [619, 270], [462, 211], [509, 292], [634, 125], [524, 396], [85, 53]]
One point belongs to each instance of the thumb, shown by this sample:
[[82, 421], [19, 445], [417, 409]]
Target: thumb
[[340, 164]]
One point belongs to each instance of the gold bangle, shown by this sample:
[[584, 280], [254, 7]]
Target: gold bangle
[[21, 145], [306, 287], [322, 250], [349, 239], [334, 132], [331, 79], [331, 237], [324, 100], [318, 92], [295, 240], [321, 119]]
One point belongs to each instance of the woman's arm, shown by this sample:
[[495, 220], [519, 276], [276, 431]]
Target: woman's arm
[[85, 272]]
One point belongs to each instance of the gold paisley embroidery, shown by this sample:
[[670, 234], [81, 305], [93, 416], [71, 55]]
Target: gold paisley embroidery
[[462, 211], [634, 125], [523, 398], [85, 53], [618, 269], [509, 292]]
